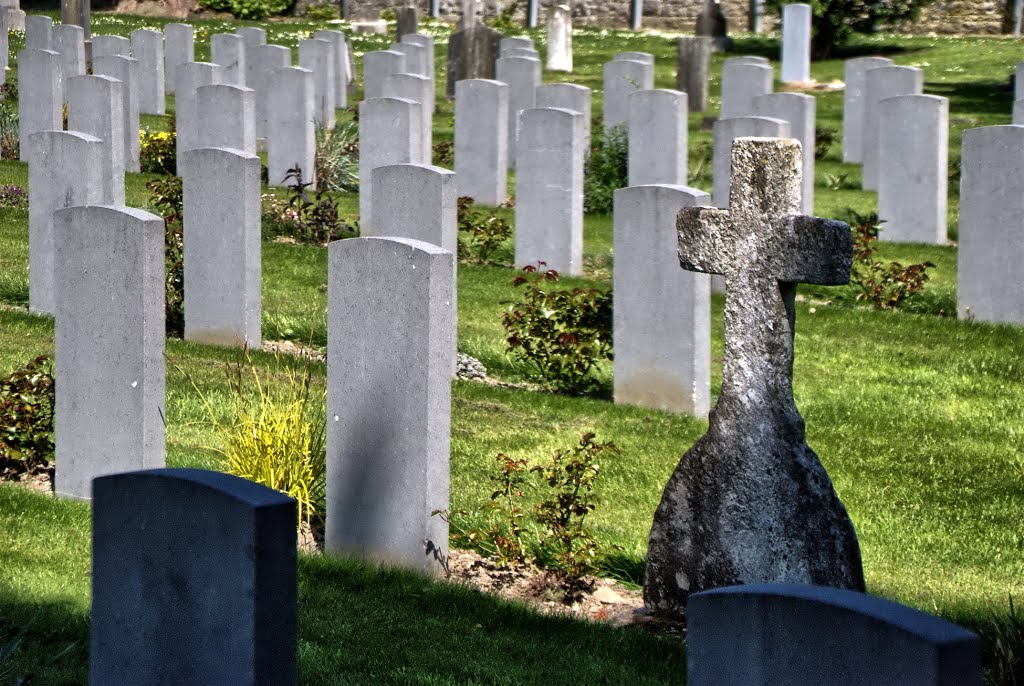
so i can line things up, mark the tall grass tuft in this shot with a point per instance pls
(337, 158)
(275, 435)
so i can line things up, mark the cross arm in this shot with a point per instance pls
(814, 250)
(701, 232)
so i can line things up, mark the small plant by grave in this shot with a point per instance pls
(885, 285)
(443, 153)
(10, 143)
(166, 199)
(158, 152)
(337, 158)
(561, 334)
(1005, 647)
(823, 139)
(14, 197)
(306, 217)
(606, 170)
(481, 233)
(567, 546)
(700, 164)
(26, 418)
(275, 434)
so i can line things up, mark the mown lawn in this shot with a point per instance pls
(918, 418)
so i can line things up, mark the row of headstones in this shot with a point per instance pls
(12, 18)
(156, 562)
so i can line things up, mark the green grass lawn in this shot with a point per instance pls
(917, 417)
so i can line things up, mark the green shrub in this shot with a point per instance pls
(26, 418)
(322, 11)
(158, 152)
(885, 285)
(560, 334)
(606, 169)
(248, 9)
(480, 232)
(1004, 645)
(10, 143)
(166, 200)
(337, 158)
(275, 435)
(306, 217)
(823, 140)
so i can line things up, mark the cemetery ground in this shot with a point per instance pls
(917, 417)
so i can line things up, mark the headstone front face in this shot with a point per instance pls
(741, 83)
(427, 43)
(750, 501)
(481, 140)
(110, 45)
(472, 53)
(1018, 112)
(913, 168)
(506, 44)
(291, 140)
(845, 638)
(800, 110)
(549, 190)
(65, 169)
(191, 76)
(176, 600)
(38, 28)
(724, 134)
(228, 50)
(622, 78)
(882, 83)
(340, 59)
(109, 352)
(523, 75)
(693, 69)
(5, 46)
(252, 38)
(179, 48)
(990, 284)
(662, 321)
(389, 133)
(1018, 81)
(657, 137)
(418, 89)
(267, 58)
(568, 96)
(390, 323)
(559, 32)
(855, 76)
(415, 58)
(377, 66)
(221, 223)
(416, 201)
(125, 70)
(796, 43)
(96, 107)
(69, 41)
(40, 108)
(148, 49)
(315, 55)
(226, 117)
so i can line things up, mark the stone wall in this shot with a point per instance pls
(942, 16)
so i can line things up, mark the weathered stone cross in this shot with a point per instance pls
(750, 501)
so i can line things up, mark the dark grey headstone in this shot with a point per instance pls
(406, 23)
(194, 580)
(472, 53)
(711, 22)
(750, 502)
(801, 634)
(693, 69)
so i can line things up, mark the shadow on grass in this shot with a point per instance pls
(976, 97)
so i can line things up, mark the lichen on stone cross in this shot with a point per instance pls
(750, 501)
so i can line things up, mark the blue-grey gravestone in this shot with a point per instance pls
(179, 49)
(125, 70)
(252, 38)
(38, 32)
(69, 41)
(662, 318)
(190, 76)
(40, 107)
(854, 75)
(523, 75)
(291, 138)
(622, 78)
(103, 46)
(228, 50)
(481, 140)
(221, 192)
(750, 502)
(415, 58)
(389, 351)
(65, 169)
(990, 284)
(742, 81)
(418, 89)
(800, 110)
(226, 116)
(108, 344)
(913, 158)
(377, 66)
(194, 581)
(767, 634)
(148, 49)
(1018, 112)
(796, 43)
(339, 56)
(568, 96)
(389, 133)
(96, 107)
(316, 55)
(549, 190)
(267, 58)
(657, 137)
